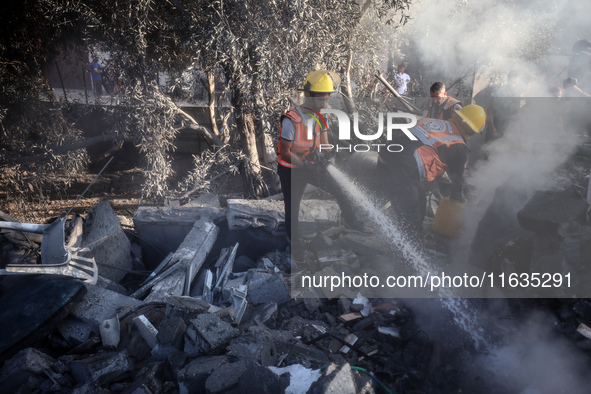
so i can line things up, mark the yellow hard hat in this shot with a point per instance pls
(474, 116)
(321, 81)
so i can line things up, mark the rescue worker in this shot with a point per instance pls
(441, 106)
(440, 147)
(300, 160)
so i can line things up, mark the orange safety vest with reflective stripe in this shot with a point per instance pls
(448, 109)
(434, 133)
(301, 145)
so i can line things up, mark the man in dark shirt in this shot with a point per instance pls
(440, 147)
(441, 106)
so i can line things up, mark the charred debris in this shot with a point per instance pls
(197, 298)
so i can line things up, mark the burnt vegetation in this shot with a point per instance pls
(258, 52)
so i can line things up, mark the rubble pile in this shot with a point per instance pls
(199, 298)
(210, 316)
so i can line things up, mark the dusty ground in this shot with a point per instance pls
(120, 188)
(120, 184)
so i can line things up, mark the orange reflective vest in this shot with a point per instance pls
(301, 145)
(448, 109)
(434, 133)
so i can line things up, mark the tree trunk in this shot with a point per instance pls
(211, 102)
(249, 144)
(267, 148)
(347, 91)
(254, 184)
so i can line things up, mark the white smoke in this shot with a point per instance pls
(533, 359)
(455, 38)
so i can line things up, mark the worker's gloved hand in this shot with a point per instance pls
(321, 159)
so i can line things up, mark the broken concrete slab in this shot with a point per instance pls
(100, 304)
(76, 233)
(205, 200)
(146, 329)
(225, 377)
(186, 262)
(74, 330)
(265, 288)
(319, 210)
(266, 214)
(172, 331)
(243, 263)
(110, 332)
(212, 332)
(257, 345)
(102, 368)
(232, 283)
(191, 379)
(163, 229)
(185, 307)
(107, 243)
(146, 380)
(260, 377)
(547, 210)
(270, 214)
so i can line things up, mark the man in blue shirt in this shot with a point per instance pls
(96, 75)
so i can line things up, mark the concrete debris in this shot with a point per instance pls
(362, 305)
(77, 230)
(106, 242)
(185, 263)
(264, 288)
(212, 332)
(172, 331)
(74, 330)
(239, 301)
(110, 332)
(147, 330)
(232, 283)
(100, 304)
(102, 368)
(224, 265)
(217, 314)
(225, 377)
(165, 228)
(257, 345)
(191, 379)
(265, 214)
(350, 339)
(584, 330)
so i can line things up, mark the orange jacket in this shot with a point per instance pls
(448, 109)
(301, 145)
(434, 133)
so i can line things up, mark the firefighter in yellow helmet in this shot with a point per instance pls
(301, 162)
(440, 147)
